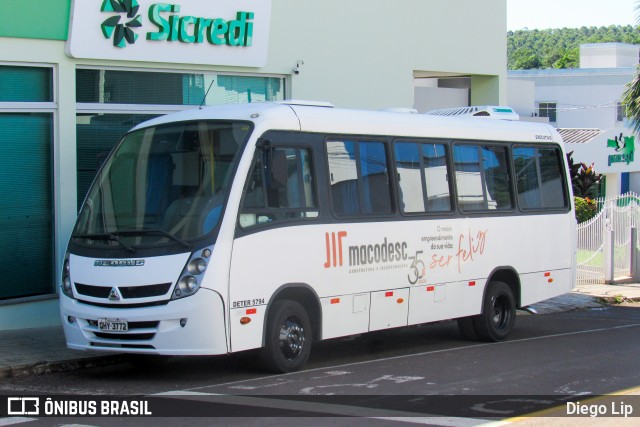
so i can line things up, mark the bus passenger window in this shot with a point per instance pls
(482, 177)
(273, 195)
(359, 178)
(539, 178)
(422, 177)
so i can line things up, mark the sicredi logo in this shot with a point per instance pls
(210, 32)
(122, 33)
(173, 27)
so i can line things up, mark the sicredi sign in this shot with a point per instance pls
(209, 32)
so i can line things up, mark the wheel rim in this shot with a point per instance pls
(291, 338)
(501, 312)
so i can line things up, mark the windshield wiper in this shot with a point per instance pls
(146, 232)
(105, 236)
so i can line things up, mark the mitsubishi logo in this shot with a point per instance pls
(114, 295)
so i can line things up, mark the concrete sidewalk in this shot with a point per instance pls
(43, 350)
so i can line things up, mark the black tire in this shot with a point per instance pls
(498, 315)
(466, 328)
(288, 337)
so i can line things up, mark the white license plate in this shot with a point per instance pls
(113, 325)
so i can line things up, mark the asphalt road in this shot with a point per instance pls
(424, 375)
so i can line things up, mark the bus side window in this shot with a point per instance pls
(422, 170)
(482, 177)
(539, 178)
(281, 187)
(359, 178)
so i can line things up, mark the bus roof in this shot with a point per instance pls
(324, 119)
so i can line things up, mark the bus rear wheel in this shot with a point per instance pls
(288, 337)
(498, 315)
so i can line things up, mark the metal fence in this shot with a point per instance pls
(607, 243)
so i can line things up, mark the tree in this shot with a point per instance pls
(631, 95)
(559, 48)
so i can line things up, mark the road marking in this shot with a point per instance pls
(369, 384)
(370, 413)
(407, 356)
(15, 420)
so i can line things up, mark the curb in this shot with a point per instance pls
(616, 299)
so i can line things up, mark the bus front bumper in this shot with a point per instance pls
(189, 326)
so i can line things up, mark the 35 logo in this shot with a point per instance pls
(121, 32)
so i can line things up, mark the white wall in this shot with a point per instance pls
(521, 96)
(434, 98)
(584, 98)
(608, 55)
(363, 53)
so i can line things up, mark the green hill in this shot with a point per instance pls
(560, 48)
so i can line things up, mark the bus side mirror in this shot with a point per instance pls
(278, 173)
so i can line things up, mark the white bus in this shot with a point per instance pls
(271, 226)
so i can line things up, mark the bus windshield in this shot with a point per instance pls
(163, 185)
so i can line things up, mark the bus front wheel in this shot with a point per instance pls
(498, 313)
(288, 337)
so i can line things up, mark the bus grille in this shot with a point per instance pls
(127, 292)
(111, 305)
(124, 337)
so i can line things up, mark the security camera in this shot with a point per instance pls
(297, 67)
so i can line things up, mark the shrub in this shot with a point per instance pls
(585, 209)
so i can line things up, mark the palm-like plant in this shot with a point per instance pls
(631, 95)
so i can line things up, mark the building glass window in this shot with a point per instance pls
(619, 112)
(105, 98)
(26, 84)
(548, 109)
(26, 205)
(136, 87)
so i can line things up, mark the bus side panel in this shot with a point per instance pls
(543, 285)
(389, 309)
(433, 302)
(245, 336)
(345, 315)
(373, 258)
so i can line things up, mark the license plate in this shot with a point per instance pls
(113, 325)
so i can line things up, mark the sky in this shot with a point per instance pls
(544, 14)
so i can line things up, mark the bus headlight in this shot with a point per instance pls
(66, 278)
(192, 274)
(188, 284)
(197, 266)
